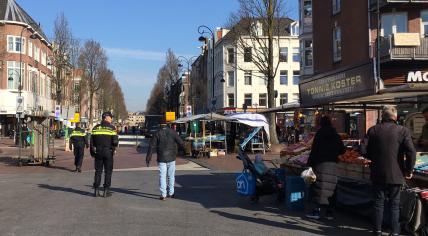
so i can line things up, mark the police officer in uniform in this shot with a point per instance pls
(104, 141)
(79, 141)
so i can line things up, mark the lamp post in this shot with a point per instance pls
(203, 30)
(256, 105)
(20, 100)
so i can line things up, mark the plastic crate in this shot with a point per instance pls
(295, 193)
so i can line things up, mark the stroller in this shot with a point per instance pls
(266, 184)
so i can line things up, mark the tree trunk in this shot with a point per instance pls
(91, 96)
(271, 76)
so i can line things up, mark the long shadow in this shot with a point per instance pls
(216, 191)
(133, 192)
(65, 189)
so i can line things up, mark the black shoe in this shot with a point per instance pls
(162, 198)
(79, 170)
(97, 192)
(170, 196)
(107, 192)
(75, 170)
(377, 233)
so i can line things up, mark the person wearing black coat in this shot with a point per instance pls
(326, 148)
(387, 145)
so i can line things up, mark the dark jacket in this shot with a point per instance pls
(165, 142)
(387, 145)
(327, 147)
(78, 138)
(103, 136)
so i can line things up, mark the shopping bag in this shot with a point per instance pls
(309, 176)
(245, 183)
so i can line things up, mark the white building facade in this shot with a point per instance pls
(243, 82)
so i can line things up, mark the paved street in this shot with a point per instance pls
(60, 203)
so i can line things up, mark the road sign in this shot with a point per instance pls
(57, 111)
(170, 116)
(19, 104)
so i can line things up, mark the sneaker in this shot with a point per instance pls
(315, 214)
(162, 198)
(170, 196)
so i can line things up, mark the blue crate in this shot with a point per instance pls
(295, 193)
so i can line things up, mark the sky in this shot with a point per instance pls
(137, 33)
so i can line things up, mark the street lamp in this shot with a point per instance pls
(256, 105)
(204, 30)
(20, 99)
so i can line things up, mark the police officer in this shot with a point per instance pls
(79, 141)
(104, 141)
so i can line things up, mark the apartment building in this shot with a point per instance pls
(306, 39)
(24, 67)
(238, 83)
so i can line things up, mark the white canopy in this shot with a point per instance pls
(208, 117)
(253, 120)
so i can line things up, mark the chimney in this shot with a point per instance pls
(219, 32)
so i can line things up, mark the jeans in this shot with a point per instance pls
(392, 193)
(166, 172)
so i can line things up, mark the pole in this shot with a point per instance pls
(21, 102)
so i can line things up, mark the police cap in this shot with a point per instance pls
(107, 113)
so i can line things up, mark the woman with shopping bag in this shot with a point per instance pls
(326, 149)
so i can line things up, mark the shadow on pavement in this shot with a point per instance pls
(65, 189)
(8, 161)
(216, 192)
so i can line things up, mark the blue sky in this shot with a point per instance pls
(137, 33)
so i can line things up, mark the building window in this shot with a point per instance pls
(424, 19)
(30, 49)
(13, 74)
(296, 55)
(283, 98)
(296, 77)
(262, 99)
(263, 80)
(230, 79)
(230, 55)
(392, 23)
(231, 100)
(295, 97)
(337, 44)
(283, 54)
(248, 78)
(43, 59)
(49, 89)
(283, 77)
(16, 44)
(336, 6)
(248, 57)
(248, 99)
(307, 50)
(36, 53)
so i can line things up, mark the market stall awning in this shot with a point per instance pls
(397, 94)
(251, 119)
(284, 107)
(206, 117)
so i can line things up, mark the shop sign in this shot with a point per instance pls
(417, 77)
(57, 112)
(170, 116)
(339, 86)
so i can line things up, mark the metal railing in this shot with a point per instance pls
(389, 51)
(383, 3)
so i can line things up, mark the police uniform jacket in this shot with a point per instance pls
(78, 138)
(104, 136)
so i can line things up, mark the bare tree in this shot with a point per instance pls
(62, 50)
(257, 28)
(93, 61)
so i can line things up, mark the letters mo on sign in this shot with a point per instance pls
(417, 77)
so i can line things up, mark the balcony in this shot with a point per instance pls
(385, 3)
(403, 46)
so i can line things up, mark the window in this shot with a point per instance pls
(248, 57)
(296, 77)
(336, 6)
(16, 44)
(231, 100)
(263, 80)
(283, 54)
(262, 99)
(296, 55)
(36, 53)
(13, 74)
(42, 84)
(337, 44)
(43, 59)
(248, 99)
(392, 23)
(283, 98)
(248, 78)
(230, 55)
(230, 79)
(295, 97)
(30, 49)
(283, 77)
(49, 89)
(424, 19)
(307, 50)
(307, 8)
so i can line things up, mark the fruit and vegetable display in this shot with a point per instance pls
(353, 157)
